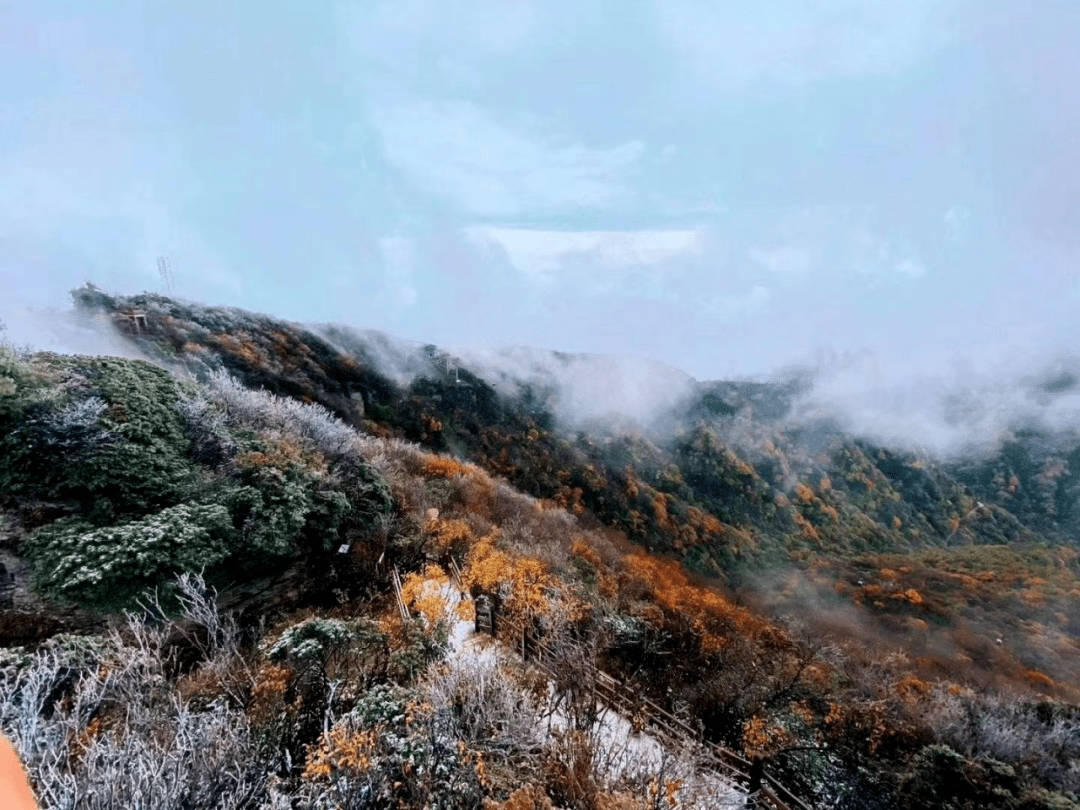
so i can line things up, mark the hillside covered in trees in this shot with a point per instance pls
(880, 627)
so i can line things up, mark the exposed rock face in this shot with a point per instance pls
(26, 618)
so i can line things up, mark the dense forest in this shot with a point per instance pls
(200, 551)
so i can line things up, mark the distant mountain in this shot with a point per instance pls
(871, 624)
(617, 431)
(738, 479)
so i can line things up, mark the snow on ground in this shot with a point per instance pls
(620, 751)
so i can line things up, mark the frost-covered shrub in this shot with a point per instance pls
(414, 647)
(487, 707)
(74, 430)
(19, 386)
(1044, 735)
(98, 727)
(107, 567)
(276, 508)
(206, 428)
(384, 704)
(408, 758)
(272, 515)
(262, 409)
(290, 498)
(112, 445)
(627, 631)
(312, 640)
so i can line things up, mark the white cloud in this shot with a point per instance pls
(910, 268)
(956, 220)
(875, 257)
(733, 307)
(112, 217)
(489, 168)
(399, 257)
(401, 36)
(816, 244)
(732, 46)
(542, 256)
(783, 260)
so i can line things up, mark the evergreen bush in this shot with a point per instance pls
(314, 640)
(109, 441)
(107, 567)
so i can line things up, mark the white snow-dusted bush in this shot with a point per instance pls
(313, 639)
(1013, 729)
(205, 425)
(489, 709)
(99, 726)
(262, 409)
(74, 429)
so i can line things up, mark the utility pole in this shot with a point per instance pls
(164, 267)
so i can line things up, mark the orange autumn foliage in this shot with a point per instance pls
(606, 582)
(342, 749)
(761, 738)
(806, 526)
(448, 535)
(282, 454)
(709, 615)
(703, 521)
(424, 593)
(526, 586)
(443, 467)
(1037, 679)
(529, 797)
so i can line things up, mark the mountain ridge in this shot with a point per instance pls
(687, 544)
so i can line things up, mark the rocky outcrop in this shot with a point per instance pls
(26, 617)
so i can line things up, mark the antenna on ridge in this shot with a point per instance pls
(164, 267)
(451, 365)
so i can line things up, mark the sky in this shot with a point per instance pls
(729, 188)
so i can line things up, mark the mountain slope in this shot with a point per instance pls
(875, 548)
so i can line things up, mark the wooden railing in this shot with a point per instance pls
(620, 698)
(395, 578)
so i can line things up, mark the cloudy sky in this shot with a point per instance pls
(723, 186)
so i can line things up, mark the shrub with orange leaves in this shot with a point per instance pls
(709, 615)
(423, 592)
(525, 585)
(703, 521)
(659, 505)
(764, 738)
(447, 535)
(606, 581)
(912, 688)
(282, 453)
(1039, 679)
(444, 467)
(911, 596)
(569, 498)
(806, 526)
(529, 797)
(342, 749)
(861, 723)
(268, 693)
